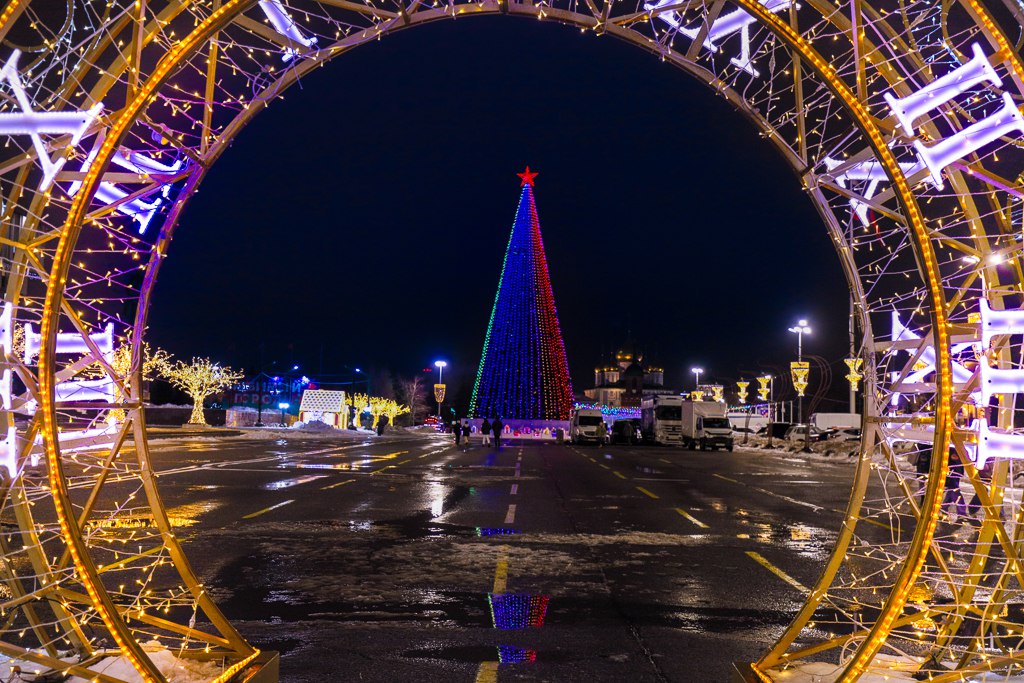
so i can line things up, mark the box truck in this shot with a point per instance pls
(827, 421)
(705, 425)
(660, 419)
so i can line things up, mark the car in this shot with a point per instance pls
(798, 432)
(848, 434)
(626, 431)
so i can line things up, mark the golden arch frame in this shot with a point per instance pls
(837, 59)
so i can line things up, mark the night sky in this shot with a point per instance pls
(363, 219)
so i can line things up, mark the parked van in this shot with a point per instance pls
(586, 426)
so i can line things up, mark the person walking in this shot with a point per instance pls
(456, 431)
(952, 485)
(496, 428)
(467, 429)
(602, 433)
(922, 464)
(382, 422)
(485, 429)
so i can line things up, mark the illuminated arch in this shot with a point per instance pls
(917, 176)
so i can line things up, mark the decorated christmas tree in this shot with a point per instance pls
(523, 371)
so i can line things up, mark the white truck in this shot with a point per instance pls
(753, 423)
(827, 421)
(660, 419)
(705, 425)
(586, 426)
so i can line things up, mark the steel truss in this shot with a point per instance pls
(112, 112)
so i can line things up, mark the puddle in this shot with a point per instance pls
(473, 654)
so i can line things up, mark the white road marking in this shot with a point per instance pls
(510, 517)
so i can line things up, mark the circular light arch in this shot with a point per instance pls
(912, 170)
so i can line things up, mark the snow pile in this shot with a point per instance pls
(313, 426)
(174, 669)
(826, 450)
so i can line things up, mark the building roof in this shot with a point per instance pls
(322, 401)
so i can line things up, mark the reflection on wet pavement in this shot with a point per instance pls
(512, 611)
(288, 483)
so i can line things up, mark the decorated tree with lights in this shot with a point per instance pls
(155, 361)
(200, 379)
(393, 409)
(523, 370)
(359, 402)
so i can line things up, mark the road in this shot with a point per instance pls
(407, 559)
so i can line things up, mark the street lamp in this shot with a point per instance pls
(283, 406)
(696, 372)
(800, 330)
(439, 387)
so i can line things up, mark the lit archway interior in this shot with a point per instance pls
(901, 118)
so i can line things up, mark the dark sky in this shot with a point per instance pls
(368, 213)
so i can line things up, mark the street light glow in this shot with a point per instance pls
(440, 364)
(696, 372)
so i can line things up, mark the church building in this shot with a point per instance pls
(625, 380)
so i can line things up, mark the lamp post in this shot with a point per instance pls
(439, 387)
(696, 373)
(283, 407)
(800, 330)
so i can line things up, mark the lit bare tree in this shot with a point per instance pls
(199, 379)
(414, 393)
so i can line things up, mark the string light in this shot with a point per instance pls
(523, 374)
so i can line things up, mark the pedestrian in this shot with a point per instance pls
(456, 431)
(382, 422)
(602, 433)
(496, 428)
(922, 462)
(984, 476)
(485, 429)
(952, 485)
(467, 429)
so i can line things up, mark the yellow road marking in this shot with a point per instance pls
(334, 486)
(620, 475)
(405, 461)
(501, 571)
(487, 673)
(266, 510)
(644, 491)
(778, 572)
(693, 519)
(603, 465)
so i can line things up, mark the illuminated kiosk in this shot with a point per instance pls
(523, 376)
(901, 120)
(323, 405)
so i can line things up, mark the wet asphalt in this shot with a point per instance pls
(408, 559)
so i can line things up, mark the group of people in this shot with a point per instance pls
(461, 431)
